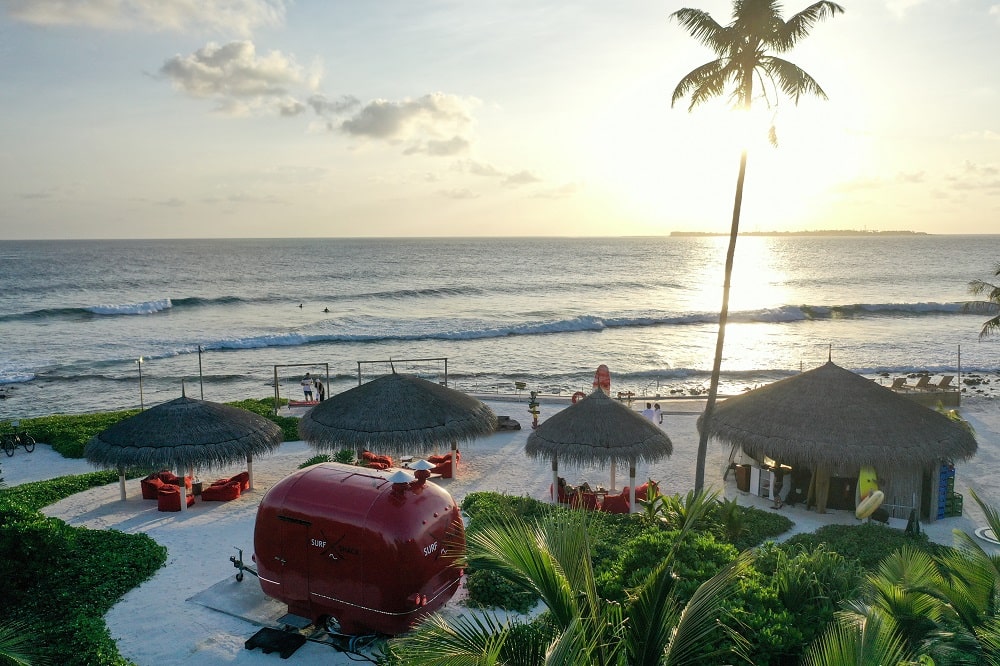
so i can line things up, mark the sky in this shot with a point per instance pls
(391, 118)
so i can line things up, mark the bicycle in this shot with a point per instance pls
(11, 440)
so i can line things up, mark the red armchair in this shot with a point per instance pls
(615, 504)
(168, 498)
(583, 500)
(221, 491)
(151, 486)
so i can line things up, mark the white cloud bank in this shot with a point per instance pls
(238, 17)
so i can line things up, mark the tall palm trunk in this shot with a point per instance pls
(713, 387)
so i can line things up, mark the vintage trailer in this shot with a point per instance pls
(349, 550)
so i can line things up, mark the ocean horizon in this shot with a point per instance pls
(219, 315)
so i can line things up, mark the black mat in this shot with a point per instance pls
(275, 640)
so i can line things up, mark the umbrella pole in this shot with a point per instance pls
(183, 485)
(250, 470)
(631, 488)
(612, 486)
(555, 479)
(121, 482)
(454, 458)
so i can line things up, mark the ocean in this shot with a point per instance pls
(226, 317)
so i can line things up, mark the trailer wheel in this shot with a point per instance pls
(332, 625)
(239, 577)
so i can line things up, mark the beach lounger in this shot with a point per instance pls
(945, 383)
(899, 383)
(923, 383)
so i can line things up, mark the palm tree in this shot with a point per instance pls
(743, 49)
(990, 305)
(552, 559)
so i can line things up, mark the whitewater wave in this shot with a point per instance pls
(148, 307)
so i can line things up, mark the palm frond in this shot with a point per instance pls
(791, 79)
(519, 552)
(700, 621)
(799, 25)
(469, 640)
(858, 640)
(702, 83)
(704, 28)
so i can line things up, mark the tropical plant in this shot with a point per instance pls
(942, 609)
(15, 644)
(989, 306)
(743, 49)
(551, 557)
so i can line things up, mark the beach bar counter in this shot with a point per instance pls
(356, 550)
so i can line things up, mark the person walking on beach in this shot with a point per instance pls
(649, 413)
(657, 414)
(320, 389)
(307, 387)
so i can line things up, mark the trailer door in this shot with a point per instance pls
(293, 549)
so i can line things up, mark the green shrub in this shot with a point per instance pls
(490, 589)
(69, 433)
(485, 506)
(345, 457)
(58, 580)
(760, 525)
(265, 407)
(866, 544)
(698, 557)
(315, 460)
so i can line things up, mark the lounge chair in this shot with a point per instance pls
(899, 383)
(923, 383)
(945, 383)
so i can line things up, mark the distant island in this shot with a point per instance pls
(821, 232)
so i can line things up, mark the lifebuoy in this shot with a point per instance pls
(578, 396)
(869, 504)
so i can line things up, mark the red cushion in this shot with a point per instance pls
(221, 492)
(150, 485)
(168, 498)
(368, 455)
(375, 464)
(583, 500)
(444, 469)
(615, 504)
(243, 478)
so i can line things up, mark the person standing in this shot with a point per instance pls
(307, 387)
(320, 389)
(649, 413)
(657, 414)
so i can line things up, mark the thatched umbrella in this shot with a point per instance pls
(396, 413)
(599, 429)
(828, 415)
(180, 434)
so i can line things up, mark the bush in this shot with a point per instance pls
(866, 544)
(265, 407)
(60, 580)
(489, 589)
(69, 433)
(315, 460)
(698, 557)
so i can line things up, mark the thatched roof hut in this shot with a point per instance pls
(181, 434)
(829, 414)
(599, 429)
(396, 413)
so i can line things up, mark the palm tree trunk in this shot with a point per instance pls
(713, 387)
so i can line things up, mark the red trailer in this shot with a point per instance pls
(351, 551)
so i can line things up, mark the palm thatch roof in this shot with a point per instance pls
(598, 429)
(829, 415)
(181, 433)
(393, 413)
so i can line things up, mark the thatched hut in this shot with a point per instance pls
(396, 413)
(833, 421)
(598, 429)
(182, 434)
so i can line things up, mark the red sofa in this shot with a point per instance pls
(375, 461)
(615, 504)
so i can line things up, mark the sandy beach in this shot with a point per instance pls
(194, 612)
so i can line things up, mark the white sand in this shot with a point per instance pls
(159, 624)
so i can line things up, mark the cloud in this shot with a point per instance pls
(238, 78)
(521, 178)
(901, 7)
(239, 17)
(327, 108)
(434, 124)
(479, 169)
(463, 193)
(976, 177)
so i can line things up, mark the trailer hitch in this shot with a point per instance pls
(237, 561)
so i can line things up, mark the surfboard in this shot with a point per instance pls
(602, 379)
(302, 403)
(867, 481)
(869, 504)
